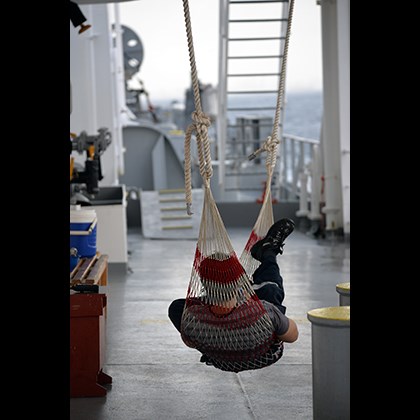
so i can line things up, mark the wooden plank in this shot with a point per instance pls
(97, 270)
(103, 281)
(75, 269)
(83, 270)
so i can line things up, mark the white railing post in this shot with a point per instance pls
(316, 174)
(303, 196)
(222, 92)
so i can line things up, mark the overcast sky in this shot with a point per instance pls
(165, 70)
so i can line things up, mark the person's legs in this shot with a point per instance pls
(268, 283)
(175, 312)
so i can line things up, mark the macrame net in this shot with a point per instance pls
(223, 317)
(265, 217)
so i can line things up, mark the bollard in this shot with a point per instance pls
(343, 290)
(330, 362)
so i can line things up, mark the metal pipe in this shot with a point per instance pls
(120, 87)
(331, 119)
(222, 95)
(258, 1)
(252, 74)
(315, 185)
(285, 166)
(256, 20)
(265, 38)
(253, 56)
(294, 169)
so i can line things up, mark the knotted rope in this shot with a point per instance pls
(272, 142)
(200, 124)
(265, 217)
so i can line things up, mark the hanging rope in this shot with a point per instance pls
(265, 217)
(273, 141)
(200, 124)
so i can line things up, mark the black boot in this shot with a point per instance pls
(274, 240)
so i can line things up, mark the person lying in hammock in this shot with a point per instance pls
(267, 285)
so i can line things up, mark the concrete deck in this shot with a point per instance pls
(156, 377)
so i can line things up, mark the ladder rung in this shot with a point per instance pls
(244, 189)
(256, 1)
(254, 56)
(250, 124)
(239, 142)
(251, 91)
(263, 108)
(257, 20)
(244, 173)
(252, 74)
(268, 38)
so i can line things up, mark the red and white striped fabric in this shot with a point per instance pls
(264, 221)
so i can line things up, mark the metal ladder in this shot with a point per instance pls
(248, 29)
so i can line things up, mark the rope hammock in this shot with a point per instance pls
(223, 318)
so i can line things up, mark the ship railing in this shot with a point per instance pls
(298, 164)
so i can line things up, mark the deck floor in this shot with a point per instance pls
(156, 377)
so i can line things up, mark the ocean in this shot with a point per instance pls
(303, 114)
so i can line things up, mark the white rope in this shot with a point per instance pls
(200, 124)
(272, 142)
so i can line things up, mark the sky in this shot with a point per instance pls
(165, 70)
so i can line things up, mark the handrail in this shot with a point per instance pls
(302, 139)
(296, 155)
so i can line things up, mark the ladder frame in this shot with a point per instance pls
(222, 120)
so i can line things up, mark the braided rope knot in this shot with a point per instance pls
(200, 124)
(200, 119)
(270, 146)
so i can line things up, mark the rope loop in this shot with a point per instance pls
(200, 124)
